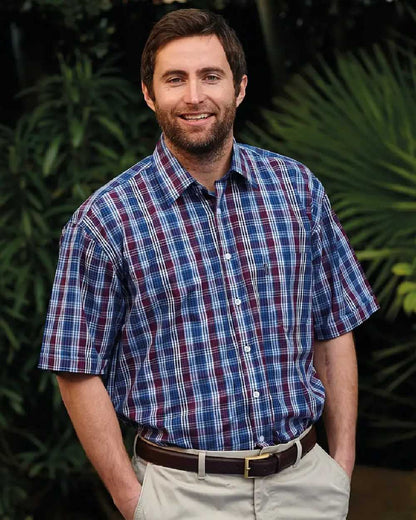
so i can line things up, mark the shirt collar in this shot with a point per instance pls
(240, 163)
(174, 179)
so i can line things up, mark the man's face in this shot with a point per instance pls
(194, 94)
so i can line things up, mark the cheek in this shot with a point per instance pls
(226, 98)
(166, 103)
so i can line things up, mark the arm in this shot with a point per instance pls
(95, 421)
(336, 364)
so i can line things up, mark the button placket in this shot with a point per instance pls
(239, 307)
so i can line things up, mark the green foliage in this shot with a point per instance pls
(355, 126)
(87, 127)
(73, 10)
(89, 20)
(387, 403)
(407, 288)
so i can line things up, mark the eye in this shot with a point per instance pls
(175, 80)
(212, 78)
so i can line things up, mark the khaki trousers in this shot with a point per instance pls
(314, 488)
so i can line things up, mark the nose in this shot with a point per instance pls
(194, 92)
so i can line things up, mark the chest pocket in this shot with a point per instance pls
(278, 272)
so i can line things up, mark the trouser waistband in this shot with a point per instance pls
(264, 462)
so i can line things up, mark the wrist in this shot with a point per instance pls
(346, 462)
(122, 495)
(126, 503)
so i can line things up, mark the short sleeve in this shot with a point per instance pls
(342, 297)
(86, 307)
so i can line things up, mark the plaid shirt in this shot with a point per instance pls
(199, 310)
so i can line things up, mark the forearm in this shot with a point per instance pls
(336, 364)
(95, 421)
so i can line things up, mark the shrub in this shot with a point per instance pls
(355, 126)
(87, 127)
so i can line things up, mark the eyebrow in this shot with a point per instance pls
(212, 69)
(204, 70)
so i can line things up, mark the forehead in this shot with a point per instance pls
(193, 52)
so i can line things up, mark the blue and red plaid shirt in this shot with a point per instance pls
(199, 309)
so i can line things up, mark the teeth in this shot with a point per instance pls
(195, 117)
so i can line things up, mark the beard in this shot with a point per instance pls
(206, 143)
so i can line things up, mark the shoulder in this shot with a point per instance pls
(110, 200)
(280, 174)
(101, 217)
(274, 161)
(272, 165)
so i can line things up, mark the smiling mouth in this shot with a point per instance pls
(195, 117)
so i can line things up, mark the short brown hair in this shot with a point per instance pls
(192, 22)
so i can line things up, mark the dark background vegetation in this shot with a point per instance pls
(79, 120)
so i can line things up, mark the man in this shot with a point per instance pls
(207, 296)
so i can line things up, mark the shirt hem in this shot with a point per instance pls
(349, 322)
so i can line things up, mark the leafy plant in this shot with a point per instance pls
(406, 291)
(354, 125)
(356, 128)
(88, 126)
(89, 22)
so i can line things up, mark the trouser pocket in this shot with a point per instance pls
(171, 494)
(142, 469)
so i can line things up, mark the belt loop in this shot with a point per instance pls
(201, 465)
(134, 445)
(298, 445)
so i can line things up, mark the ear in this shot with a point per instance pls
(147, 97)
(242, 92)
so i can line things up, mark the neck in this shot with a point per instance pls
(206, 168)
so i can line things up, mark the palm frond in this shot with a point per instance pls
(354, 125)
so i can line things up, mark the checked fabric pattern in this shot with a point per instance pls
(200, 309)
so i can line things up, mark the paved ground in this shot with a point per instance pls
(383, 494)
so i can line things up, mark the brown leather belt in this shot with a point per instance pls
(256, 466)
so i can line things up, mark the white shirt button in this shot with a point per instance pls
(261, 438)
(237, 301)
(256, 394)
(219, 211)
(247, 348)
(227, 256)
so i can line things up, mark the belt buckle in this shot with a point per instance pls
(247, 463)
